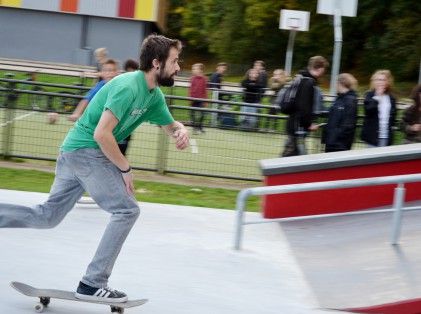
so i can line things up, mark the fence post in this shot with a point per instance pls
(162, 156)
(214, 115)
(11, 99)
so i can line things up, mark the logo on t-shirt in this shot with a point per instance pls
(138, 112)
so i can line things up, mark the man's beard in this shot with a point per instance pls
(164, 80)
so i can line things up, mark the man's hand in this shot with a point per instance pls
(181, 136)
(128, 181)
(178, 132)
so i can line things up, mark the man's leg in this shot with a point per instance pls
(106, 186)
(64, 193)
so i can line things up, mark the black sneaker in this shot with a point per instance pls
(88, 293)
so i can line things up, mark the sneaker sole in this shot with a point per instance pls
(85, 297)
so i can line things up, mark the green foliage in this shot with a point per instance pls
(385, 34)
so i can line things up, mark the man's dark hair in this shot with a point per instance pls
(131, 64)
(156, 47)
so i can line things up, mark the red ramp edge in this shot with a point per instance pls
(412, 306)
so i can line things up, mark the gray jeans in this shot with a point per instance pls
(77, 171)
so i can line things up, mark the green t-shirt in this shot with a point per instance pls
(127, 96)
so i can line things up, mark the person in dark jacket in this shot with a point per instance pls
(215, 79)
(338, 134)
(411, 120)
(301, 121)
(379, 111)
(252, 88)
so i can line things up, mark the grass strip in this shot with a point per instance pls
(152, 192)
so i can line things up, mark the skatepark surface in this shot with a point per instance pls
(181, 259)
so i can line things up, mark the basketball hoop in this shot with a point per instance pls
(294, 23)
(294, 20)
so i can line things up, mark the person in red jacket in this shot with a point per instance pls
(198, 84)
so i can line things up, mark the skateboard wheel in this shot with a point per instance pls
(116, 309)
(39, 307)
(44, 300)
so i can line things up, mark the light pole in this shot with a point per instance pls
(337, 8)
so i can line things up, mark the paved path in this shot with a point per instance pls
(179, 257)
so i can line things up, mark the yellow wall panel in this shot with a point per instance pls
(11, 3)
(145, 10)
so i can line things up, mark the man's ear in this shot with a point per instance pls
(155, 64)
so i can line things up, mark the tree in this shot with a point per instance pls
(385, 34)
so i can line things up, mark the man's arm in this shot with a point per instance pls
(103, 135)
(179, 132)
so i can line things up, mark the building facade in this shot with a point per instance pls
(68, 31)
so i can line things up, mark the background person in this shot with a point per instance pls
(216, 77)
(276, 82)
(379, 111)
(338, 133)
(301, 121)
(101, 55)
(130, 65)
(215, 83)
(411, 120)
(197, 89)
(259, 65)
(252, 90)
(108, 72)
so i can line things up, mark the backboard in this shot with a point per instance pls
(294, 20)
(346, 8)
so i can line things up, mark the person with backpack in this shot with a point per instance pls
(300, 119)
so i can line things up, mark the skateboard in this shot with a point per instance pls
(45, 295)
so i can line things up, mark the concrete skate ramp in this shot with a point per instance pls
(349, 263)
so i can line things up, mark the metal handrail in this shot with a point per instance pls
(398, 200)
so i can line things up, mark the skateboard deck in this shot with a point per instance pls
(45, 295)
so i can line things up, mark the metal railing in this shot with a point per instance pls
(398, 201)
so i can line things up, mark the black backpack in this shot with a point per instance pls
(285, 99)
